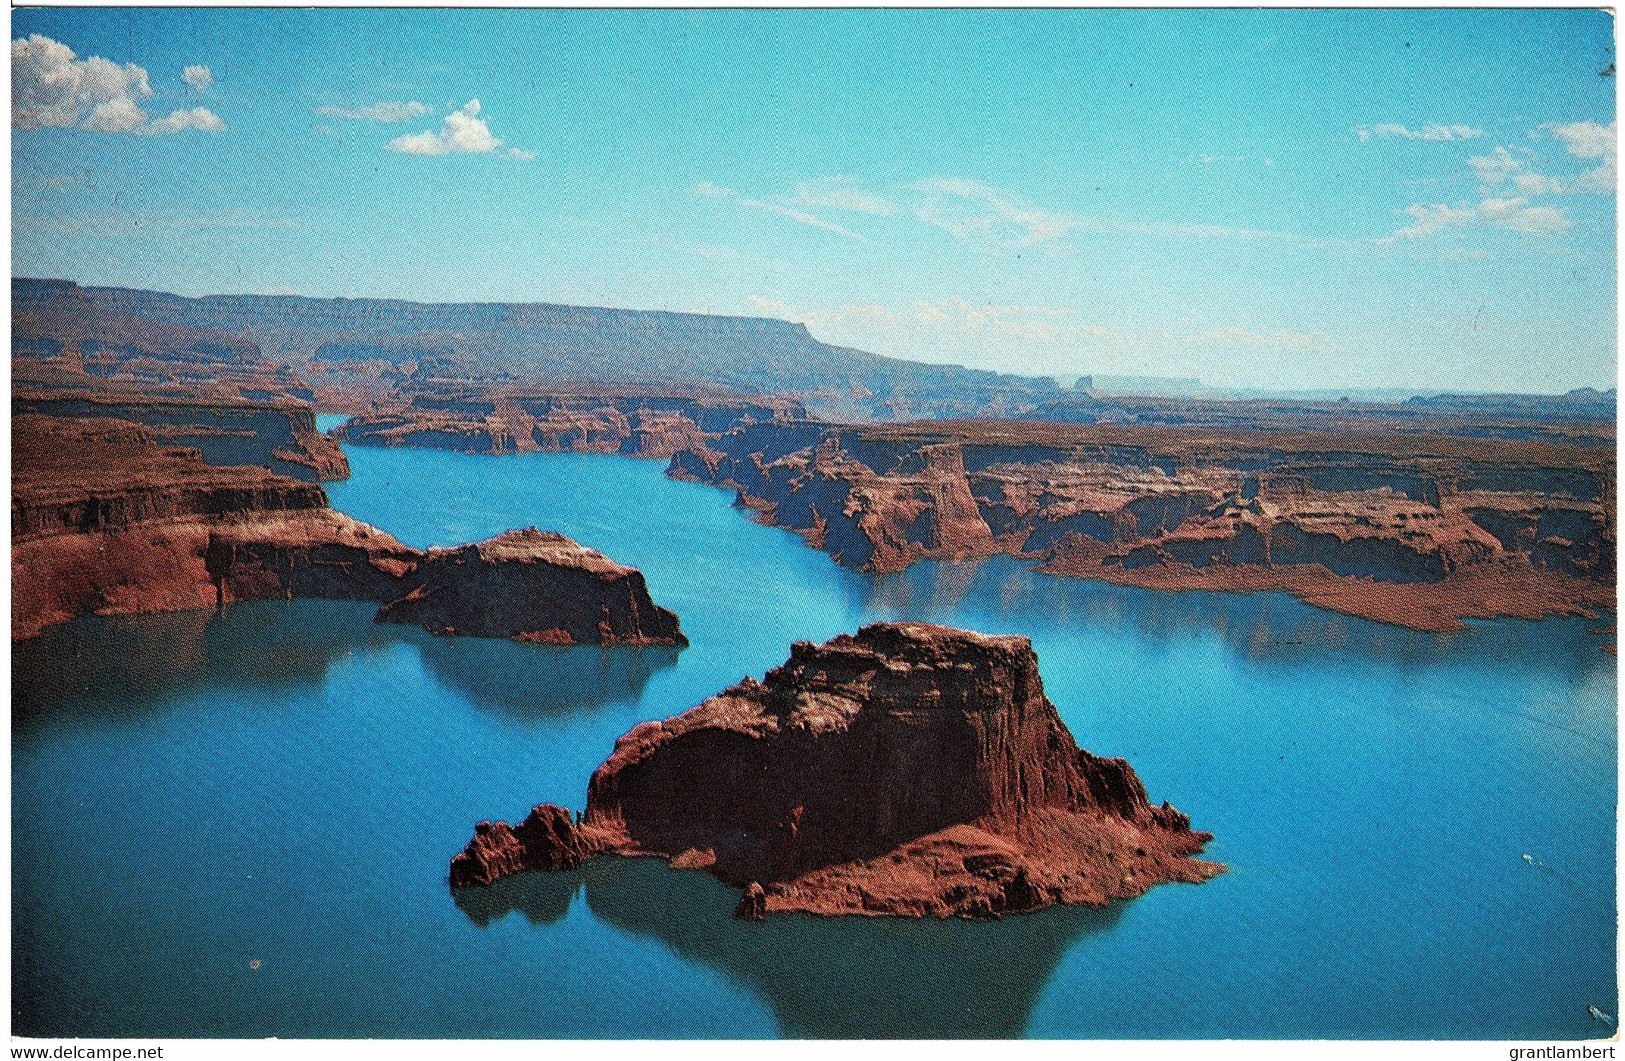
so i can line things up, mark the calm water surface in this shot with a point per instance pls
(285, 784)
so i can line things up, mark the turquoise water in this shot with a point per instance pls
(286, 782)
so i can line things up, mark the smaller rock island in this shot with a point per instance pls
(910, 770)
(533, 585)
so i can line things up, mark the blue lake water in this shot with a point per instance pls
(285, 783)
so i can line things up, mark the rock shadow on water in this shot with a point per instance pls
(109, 667)
(824, 977)
(96, 667)
(540, 898)
(535, 682)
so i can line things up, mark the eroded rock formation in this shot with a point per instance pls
(495, 420)
(533, 585)
(278, 435)
(1408, 529)
(107, 520)
(911, 769)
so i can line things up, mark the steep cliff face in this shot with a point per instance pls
(1357, 523)
(278, 435)
(910, 769)
(105, 520)
(498, 420)
(532, 585)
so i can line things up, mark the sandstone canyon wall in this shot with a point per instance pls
(107, 519)
(1409, 529)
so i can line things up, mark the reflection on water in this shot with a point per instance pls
(824, 977)
(97, 666)
(288, 781)
(130, 662)
(527, 682)
(1254, 626)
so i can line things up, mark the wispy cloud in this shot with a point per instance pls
(462, 132)
(841, 193)
(789, 213)
(970, 209)
(146, 224)
(994, 325)
(1431, 131)
(982, 216)
(51, 88)
(800, 217)
(379, 112)
(199, 78)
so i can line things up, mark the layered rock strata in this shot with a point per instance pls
(278, 434)
(106, 520)
(492, 420)
(533, 585)
(912, 770)
(1404, 529)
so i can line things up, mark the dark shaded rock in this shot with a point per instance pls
(537, 586)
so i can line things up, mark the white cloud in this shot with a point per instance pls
(461, 132)
(1427, 220)
(970, 209)
(378, 112)
(1589, 140)
(841, 193)
(1432, 131)
(51, 88)
(1496, 166)
(198, 119)
(198, 77)
(521, 154)
(1586, 139)
(713, 191)
(1514, 214)
(1517, 215)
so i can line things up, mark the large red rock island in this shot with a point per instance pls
(912, 770)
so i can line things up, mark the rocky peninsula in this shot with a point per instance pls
(503, 420)
(1403, 528)
(908, 770)
(106, 519)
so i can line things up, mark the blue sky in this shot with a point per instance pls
(1259, 198)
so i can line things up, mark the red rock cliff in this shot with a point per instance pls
(1414, 530)
(107, 521)
(911, 769)
(533, 585)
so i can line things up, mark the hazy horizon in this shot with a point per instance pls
(1271, 200)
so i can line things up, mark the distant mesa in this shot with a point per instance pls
(909, 770)
(367, 355)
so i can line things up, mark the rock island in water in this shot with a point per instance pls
(912, 770)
